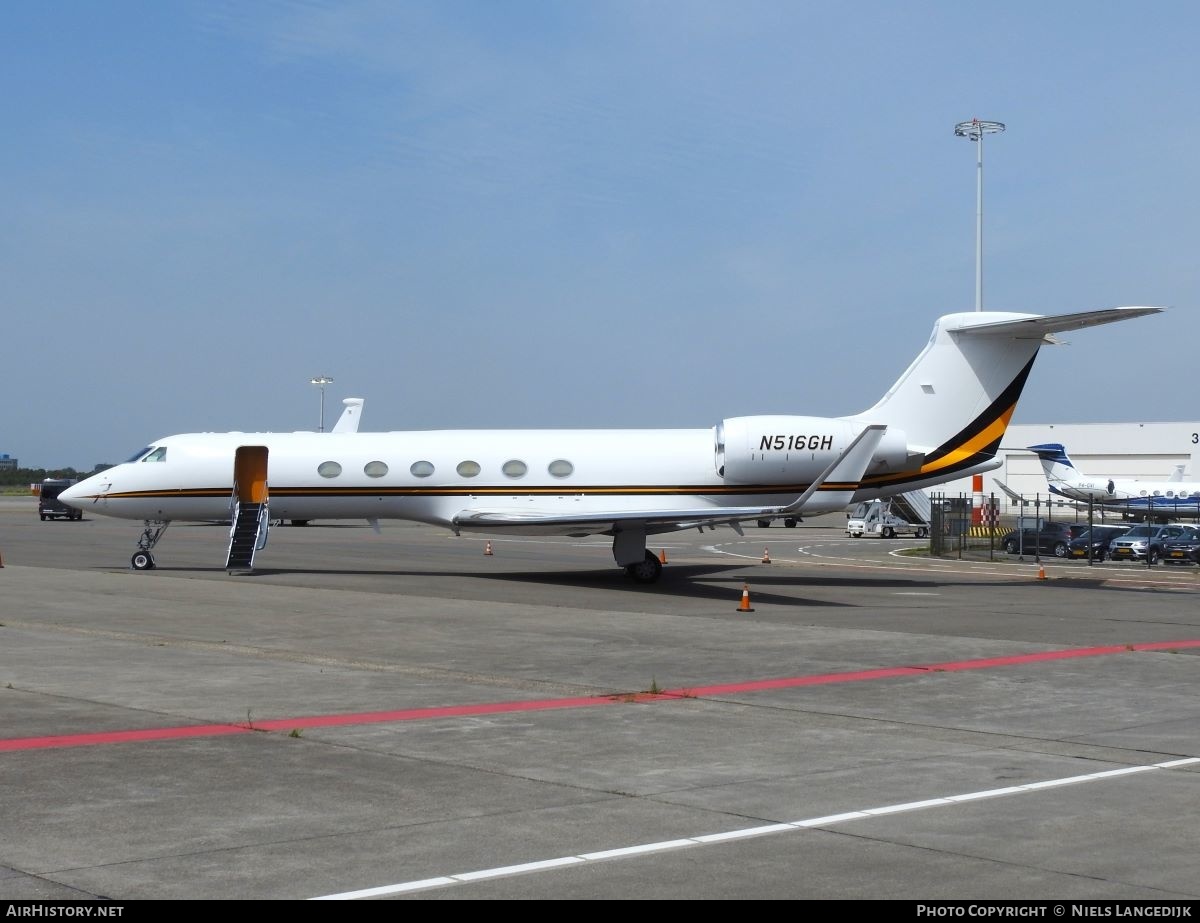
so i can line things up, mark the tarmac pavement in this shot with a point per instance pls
(401, 716)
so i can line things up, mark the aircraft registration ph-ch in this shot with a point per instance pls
(942, 420)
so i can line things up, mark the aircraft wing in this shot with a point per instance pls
(1074, 503)
(604, 522)
(848, 467)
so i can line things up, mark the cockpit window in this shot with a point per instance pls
(139, 453)
(159, 454)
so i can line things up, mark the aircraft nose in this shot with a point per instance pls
(72, 496)
(82, 495)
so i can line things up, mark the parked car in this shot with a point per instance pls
(1183, 550)
(1053, 538)
(1094, 542)
(1145, 542)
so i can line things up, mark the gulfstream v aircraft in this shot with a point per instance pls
(942, 420)
(1173, 498)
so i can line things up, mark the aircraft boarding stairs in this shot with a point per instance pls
(914, 506)
(247, 534)
(250, 519)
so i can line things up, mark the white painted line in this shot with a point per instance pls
(625, 852)
(743, 834)
(829, 819)
(638, 850)
(990, 793)
(506, 870)
(387, 889)
(911, 806)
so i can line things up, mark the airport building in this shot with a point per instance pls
(1142, 451)
(8, 463)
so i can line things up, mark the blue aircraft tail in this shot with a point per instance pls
(1052, 452)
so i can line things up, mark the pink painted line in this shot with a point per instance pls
(426, 714)
(120, 737)
(466, 711)
(289, 724)
(952, 667)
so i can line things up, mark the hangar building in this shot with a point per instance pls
(1145, 451)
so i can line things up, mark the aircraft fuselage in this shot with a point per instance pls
(432, 476)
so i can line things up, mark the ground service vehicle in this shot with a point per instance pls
(875, 517)
(49, 506)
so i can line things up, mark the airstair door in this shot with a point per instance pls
(250, 521)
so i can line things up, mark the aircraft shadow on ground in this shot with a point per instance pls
(712, 582)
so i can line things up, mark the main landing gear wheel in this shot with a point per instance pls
(647, 571)
(141, 560)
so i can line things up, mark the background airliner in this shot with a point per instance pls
(1169, 499)
(941, 420)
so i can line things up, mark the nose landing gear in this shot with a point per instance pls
(152, 531)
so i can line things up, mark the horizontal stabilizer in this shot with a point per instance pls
(1037, 328)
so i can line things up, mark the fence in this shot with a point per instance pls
(976, 524)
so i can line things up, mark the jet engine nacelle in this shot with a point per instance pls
(794, 450)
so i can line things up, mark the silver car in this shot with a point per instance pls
(1144, 543)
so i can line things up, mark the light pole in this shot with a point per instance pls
(321, 381)
(975, 130)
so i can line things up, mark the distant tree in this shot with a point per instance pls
(26, 476)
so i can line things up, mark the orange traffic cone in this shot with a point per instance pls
(766, 556)
(487, 549)
(1041, 572)
(745, 606)
(662, 555)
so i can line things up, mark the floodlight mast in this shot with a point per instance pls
(321, 381)
(974, 130)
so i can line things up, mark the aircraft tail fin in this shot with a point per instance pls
(1060, 471)
(954, 402)
(348, 421)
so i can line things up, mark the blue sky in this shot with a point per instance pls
(516, 213)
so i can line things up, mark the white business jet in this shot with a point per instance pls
(942, 420)
(1172, 498)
